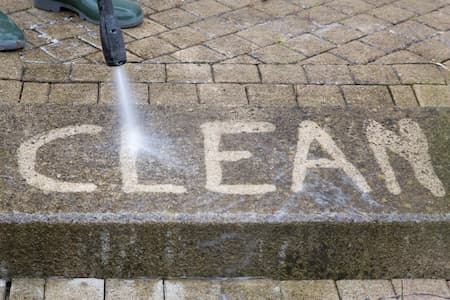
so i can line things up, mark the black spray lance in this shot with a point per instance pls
(111, 35)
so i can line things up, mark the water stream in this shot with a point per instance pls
(127, 109)
(136, 137)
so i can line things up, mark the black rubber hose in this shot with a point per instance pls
(111, 35)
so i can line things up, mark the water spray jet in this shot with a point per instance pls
(115, 56)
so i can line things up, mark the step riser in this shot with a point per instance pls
(284, 251)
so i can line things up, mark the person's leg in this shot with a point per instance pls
(11, 37)
(127, 12)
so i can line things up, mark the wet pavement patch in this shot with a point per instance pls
(275, 191)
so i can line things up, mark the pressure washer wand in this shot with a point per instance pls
(111, 35)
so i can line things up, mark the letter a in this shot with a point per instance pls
(309, 131)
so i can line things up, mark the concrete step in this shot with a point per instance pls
(222, 288)
(286, 193)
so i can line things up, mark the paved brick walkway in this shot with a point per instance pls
(361, 53)
(228, 52)
(224, 289)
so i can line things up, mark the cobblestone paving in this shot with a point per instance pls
(205, 289)
(228, 52)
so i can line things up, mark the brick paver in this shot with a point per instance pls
(309, 289)
(319, 95)
(364, 289)
(367, 95)
(276, 94)
(274, 44)
(108, 96)
(222, 94)
(432, 95)
(403, 96)
(79, 288)
(123, 289)
(251, 289)
(27, 289)
(415, 289)
(74, 93)
(189, 73)
(192, 289)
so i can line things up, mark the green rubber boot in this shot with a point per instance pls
(11, 37)
(128, 12)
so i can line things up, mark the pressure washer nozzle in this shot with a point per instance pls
(111, 35)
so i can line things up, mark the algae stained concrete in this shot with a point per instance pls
(313, 194)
